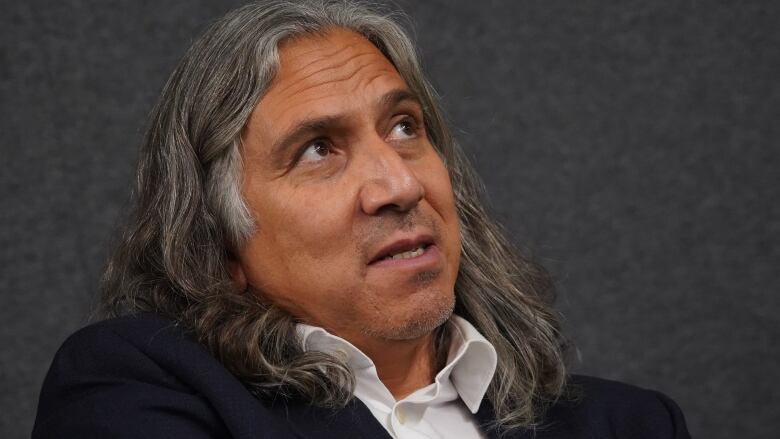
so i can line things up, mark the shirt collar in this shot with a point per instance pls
(471, 361)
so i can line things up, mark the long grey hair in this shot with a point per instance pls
(189, 219)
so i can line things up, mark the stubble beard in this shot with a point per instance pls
(433, 311)
(423, 320)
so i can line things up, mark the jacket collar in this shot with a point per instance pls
(356, 420)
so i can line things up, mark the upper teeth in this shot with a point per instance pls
(408, 254)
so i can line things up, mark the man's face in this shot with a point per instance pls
(356, 225)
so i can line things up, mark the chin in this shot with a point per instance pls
(415, 320)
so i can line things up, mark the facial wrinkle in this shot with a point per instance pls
(331, 64)
(326, 58)
(337, 80)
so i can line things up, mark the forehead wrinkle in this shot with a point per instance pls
(337, 94)
(332, 82)
(319, 59)
(330, 66)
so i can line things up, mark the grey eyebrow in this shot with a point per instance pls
(395, 97)
(301, 132)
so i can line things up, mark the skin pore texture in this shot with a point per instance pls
(339, 173)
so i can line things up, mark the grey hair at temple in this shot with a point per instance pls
(189, 218)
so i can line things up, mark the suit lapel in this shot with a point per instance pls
(486, 416)
(354, 420)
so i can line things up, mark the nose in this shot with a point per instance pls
(390, 183)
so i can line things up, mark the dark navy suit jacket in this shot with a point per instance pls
(143, 377)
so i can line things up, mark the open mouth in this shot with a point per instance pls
(417, 251)
(403, 249)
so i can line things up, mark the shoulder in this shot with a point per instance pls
(604, 393)
(143, 337)
(141, 376)
(143, 346)
(136, 333)
(618, 410)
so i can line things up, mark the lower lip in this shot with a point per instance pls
(428, 259)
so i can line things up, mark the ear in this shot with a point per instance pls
(236, 271)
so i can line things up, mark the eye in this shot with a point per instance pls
(315, 151)
(403, 130)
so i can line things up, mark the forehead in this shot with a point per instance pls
(325, 51)
(324, 73)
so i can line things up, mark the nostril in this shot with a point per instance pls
(380, 195)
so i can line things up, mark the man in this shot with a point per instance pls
(305, 228)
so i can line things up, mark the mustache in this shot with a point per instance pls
(382, 226)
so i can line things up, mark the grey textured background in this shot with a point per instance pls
(632, 147)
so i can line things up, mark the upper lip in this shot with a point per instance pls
(401, 245)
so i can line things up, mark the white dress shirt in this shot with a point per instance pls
(442, 409)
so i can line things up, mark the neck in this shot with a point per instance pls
(403, 366)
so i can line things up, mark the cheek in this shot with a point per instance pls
(439, 194)
(301, 248)
(309, 232)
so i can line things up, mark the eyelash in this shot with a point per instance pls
(409, 121)
(302, 149)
